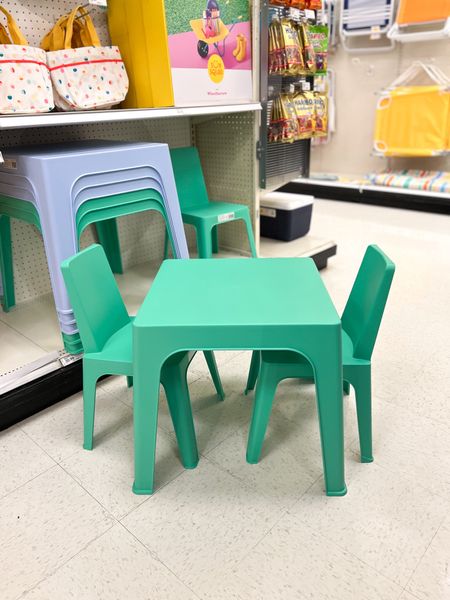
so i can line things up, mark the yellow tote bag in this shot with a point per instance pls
(413, 121)
(138, 28)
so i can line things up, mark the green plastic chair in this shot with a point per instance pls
(106, 333)
(197, 210)
(360, 323)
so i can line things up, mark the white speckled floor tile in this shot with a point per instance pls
(201, 524)
(113, 567)
(291, 461)
(294, 562)
(407, 596)
(42, 525)
(107, 473)
(214, 420)
(20, 460)
(296, 400)
(412, 446)
(59, 429)
(431, 579)
(383, 520)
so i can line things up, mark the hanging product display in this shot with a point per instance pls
(305, 109)
(283, 120)
(87, 77)
(364, 24)
(419, 21)
(413, 120)
(320, 114)
(309, 56)
(25, 80)
(290, 49)
(318, 36)
(210, 51)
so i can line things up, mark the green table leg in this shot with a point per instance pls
(6, 263)
(146, 380)
(328, 375)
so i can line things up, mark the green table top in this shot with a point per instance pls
(234, 292)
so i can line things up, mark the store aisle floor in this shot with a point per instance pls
(71, 528)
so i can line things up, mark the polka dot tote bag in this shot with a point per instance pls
(87, 77)
(25, 85)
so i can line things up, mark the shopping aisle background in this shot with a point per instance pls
(70, 526)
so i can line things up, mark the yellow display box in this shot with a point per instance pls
(138, 27)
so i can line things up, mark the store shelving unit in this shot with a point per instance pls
(57, 119)
(228, 140)
(377, 195)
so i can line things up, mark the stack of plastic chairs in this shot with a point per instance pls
(420, 21)
(63, 188)
(366, 22)
(413, 120)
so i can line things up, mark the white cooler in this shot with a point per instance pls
(285, 216)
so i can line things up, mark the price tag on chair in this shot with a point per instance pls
(225, 217)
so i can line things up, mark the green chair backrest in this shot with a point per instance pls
(189, 179)
(365, 306)
(94, 296)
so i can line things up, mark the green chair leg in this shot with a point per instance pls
(251, 239)
(265, 393)
(253, 372)
(346, 388)
(6, 264)
(174, 380)
(215, 239)
(212, 366)
(108, 237)
(89, 392)
(363, 393)
(204, 240)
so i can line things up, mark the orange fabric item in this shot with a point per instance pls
(422, 11)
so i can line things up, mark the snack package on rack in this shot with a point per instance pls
(304, 103)
(276, 121)
(277, 55)
(320, 114)
(309, 56)
(283, 126)
(290, 120)
(314, 4)
(318, 35)
(292, 48)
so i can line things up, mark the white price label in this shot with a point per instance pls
(268, 212)
(375, 32)
(98, 3)
(310, 14)
(225, 217)
(294, 13)
(69, 359)
(306, 86)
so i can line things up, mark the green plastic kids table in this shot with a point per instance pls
(238, 304)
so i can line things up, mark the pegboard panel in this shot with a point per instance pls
(36, 17)
(227, 147)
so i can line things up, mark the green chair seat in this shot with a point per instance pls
(197, 210)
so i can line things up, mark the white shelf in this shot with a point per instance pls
(105, 116)
(362, 187)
